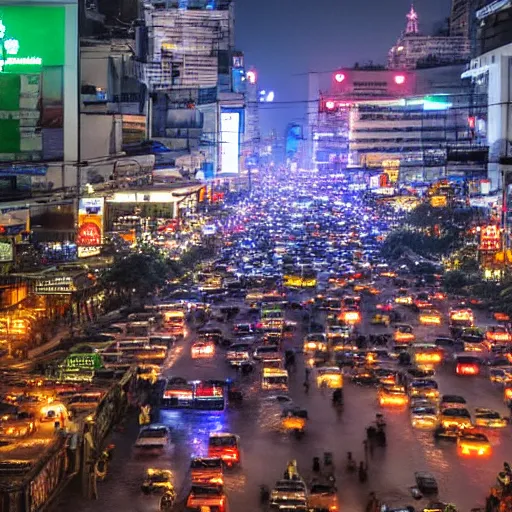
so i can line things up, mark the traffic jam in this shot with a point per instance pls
(304, 372)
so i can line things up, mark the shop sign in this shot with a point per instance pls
(44, 484)
(87, 252)
(490, 238)
(438, 201)
(6, 251)
(83, 361)
(55, 286)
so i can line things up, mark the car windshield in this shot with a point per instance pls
(474, 437)
(322, 489)
(205, 490)
(153, 433)
(159, 477)
(489, 415)
(424, 410)
(223, 441)
(206, 464)
(457, 412)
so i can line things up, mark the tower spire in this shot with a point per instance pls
(412, 21)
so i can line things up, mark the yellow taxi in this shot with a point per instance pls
(489, 419)
(430, 317)
(329, 377)
(424, 388)
(393, 396)
(469, 443)
(425, 417)
(455, 417)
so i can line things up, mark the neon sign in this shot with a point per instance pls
(11, 48)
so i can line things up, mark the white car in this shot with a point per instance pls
(153, 439)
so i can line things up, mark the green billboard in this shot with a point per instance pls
(31, 37)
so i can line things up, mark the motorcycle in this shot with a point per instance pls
(167, 501)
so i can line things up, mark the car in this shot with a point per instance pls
(489, 418)
(207, 497)
(424, 417)
(500, 375)
(323, 497)
(426, 388)
(430, 317)
(455, 417)
(202, 349)
(452, 401)
(225, 446)
(153, 439)
(19, 425)
(157, 481)
(473, 443)
(285, 490)
(238, 354)
(426, 483)
(403, 333)
(394, 396)
(204, 470)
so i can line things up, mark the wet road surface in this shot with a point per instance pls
(265, 452)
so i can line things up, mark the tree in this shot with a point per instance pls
(137, 275)
(455, 281)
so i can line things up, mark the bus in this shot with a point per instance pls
(198, 395)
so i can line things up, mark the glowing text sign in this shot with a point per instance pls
(31, 37)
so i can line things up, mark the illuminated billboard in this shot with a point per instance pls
(90, 226)
(31, 37)
(230, 128)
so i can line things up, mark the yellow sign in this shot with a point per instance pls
(438, 201)
(391, 164)
(392, 175)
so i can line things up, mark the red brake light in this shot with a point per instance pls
(399, 79)
(329, 105)
(467, 369)
(339, 77)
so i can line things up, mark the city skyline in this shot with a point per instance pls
(284, 56)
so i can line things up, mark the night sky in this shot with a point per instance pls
(283, 38)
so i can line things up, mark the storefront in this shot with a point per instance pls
(27, 486)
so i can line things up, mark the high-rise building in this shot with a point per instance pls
(187, 60)
(414, 50)
(490, 72)
(460, 17)
(408, 123)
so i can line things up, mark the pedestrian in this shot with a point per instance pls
(363, 473)
(307, 372)
(306, 387)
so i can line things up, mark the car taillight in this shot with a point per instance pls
(467, 369)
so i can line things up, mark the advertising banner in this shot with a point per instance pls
(6, 251)
(90, 226)
(490, 238)
(230, 123)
